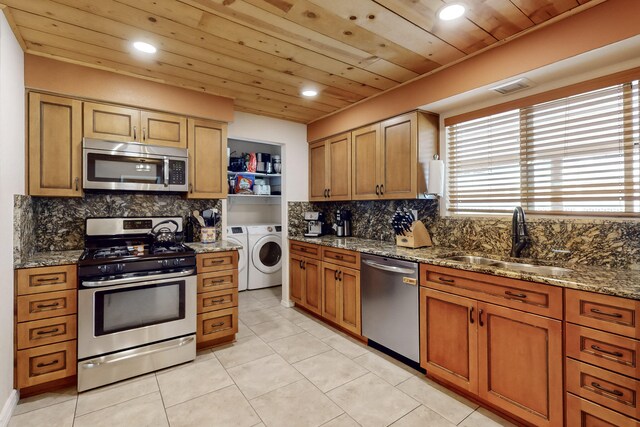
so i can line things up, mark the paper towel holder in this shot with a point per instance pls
(436, 179)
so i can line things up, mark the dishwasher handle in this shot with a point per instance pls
(389, 268)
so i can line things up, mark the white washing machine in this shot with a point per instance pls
(238, 234)
(265, 255)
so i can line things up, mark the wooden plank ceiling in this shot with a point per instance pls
(263, 52)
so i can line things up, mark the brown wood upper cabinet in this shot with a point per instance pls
(207, 159)
(389, 159)
(55, 146)
(125, 124)
(330, 169)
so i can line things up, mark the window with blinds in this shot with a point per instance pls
(577, 155)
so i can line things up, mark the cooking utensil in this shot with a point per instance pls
(207, 215)
(196, 215)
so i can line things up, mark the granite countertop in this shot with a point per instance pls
(219, 246)
(45, 259)
(623, 283)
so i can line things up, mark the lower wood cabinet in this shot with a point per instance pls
(46, 325)
(582, 413)
(217, 319)
(305, 279)
(508, 358)
(341, 296)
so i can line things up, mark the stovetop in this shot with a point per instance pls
(134, 251)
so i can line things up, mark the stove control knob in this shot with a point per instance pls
(176, 261)
(165, 262)
(103, 268)
(119, 267)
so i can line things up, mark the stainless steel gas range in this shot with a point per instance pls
(136, 299)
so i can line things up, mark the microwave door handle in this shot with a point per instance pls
(166, 171)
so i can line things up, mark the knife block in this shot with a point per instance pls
(417, 237)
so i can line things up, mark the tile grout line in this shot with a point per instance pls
(162, 399)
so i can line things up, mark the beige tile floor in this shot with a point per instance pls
(285, 369)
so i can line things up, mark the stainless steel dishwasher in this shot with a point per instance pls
(390, 305)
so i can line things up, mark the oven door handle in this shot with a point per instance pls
(128, 280)
(114, 358)
(166, 171)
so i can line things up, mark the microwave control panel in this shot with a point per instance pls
(177, 172)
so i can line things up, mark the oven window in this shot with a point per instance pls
(124, 309)
(112, 168)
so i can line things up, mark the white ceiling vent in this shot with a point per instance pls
(513, 86)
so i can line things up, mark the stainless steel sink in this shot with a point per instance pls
(527, 268)
(472, 259)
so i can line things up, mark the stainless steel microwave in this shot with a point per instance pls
(133, 166)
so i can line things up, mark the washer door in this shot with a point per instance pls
(267, 254)
(242, 253)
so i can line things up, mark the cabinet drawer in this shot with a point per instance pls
(49, 304)
(582, 413)
(614, 391)
(46, 279)
(531, 297)
(342, 257)
(47, 363)
(609, 313)
(217, 300)
(305, 249)
(217, 324)
(603, 349)
(47, 331)
(217, 280)
(217, 261)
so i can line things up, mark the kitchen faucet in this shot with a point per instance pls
(519, 235)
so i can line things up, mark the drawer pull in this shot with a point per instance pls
(53, 304)
(42, 365)
(216, 301)
(616, 315)
(602, 350)
(442, 279)
(511, 294)
(339, 257)
(215, 325)
(606, 390)
(218, 281)
(50, 331)
(50, 279)
(217, 261)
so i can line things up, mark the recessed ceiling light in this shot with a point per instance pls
(309, 93)
(451, 11)
(145, 47)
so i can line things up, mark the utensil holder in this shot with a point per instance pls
(417, 237)
(208, 234)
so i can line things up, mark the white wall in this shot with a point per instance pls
(12, 125)
(293, 139)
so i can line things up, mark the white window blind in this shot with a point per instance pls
(576, 155)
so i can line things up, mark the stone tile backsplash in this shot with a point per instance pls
(609, 243)
(58, 223)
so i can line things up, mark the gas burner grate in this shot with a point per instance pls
(177, 248)
(114, 252)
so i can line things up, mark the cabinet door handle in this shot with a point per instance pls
(54, 304)
(135, 133)
(471, 316)
(190, 188)
(377, 190)
(602, 350)
(340, 275)
(442, 279)
(606, 390)
(49, 279)
(50, 331)
(329, 192)
(144, 134)
(603, 313)
(42, 365)
(511, 294)
(304, 265)
(300, 264)
(335, 275)
(480, 312)
(382, 189)
(77, 183)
